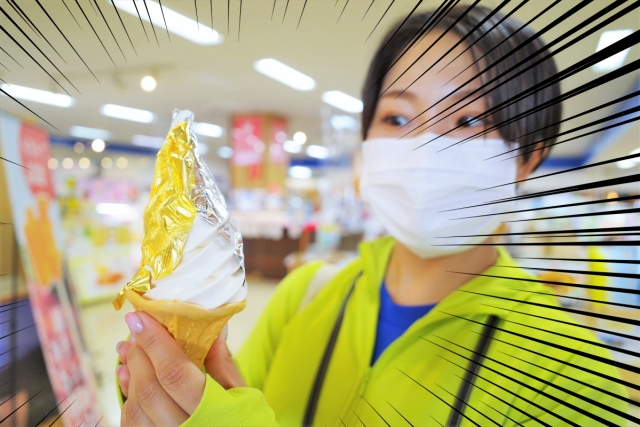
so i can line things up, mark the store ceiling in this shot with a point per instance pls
(217, 81)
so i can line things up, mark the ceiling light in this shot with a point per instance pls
(52, 163)
(291, 146)
(341, 122)
(284, 74)
(300, 172)
(225, 152)
(78, 147)
(203, 149)
(607, 39)
(143, 162)
(176, 23)
(147, 141)
(318, 151)
(119, 209)
(122, 162)
(67, 163)
(84, 163)
(342, 101)
(106, 162)
(207, 129)
(37, 95)
(127, 113)
(629, 163)
(300, 137)
(98, 145)
(148, 83)
(89, 133)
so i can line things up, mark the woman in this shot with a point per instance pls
(400, 336)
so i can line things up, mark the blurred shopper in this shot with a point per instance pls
(400, 335)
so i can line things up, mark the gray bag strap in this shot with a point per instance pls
(323, 275)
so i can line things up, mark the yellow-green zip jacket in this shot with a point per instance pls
(538, 368)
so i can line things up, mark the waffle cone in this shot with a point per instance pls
(193, 327)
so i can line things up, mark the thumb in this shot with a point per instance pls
(220, 365)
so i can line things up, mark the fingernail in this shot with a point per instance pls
(118, 346)
(134, 322)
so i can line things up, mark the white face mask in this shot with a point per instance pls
(408, 189)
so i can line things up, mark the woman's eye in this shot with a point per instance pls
(395, 120)
(469, 121)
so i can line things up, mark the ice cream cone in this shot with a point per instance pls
(193, 327)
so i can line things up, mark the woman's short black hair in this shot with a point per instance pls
(506, 36)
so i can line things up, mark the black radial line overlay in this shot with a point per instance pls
(534, 233)
(123, 27)
(367, 11)
(195, 4)
(39, 50)
(467, 405)
(7, 160)
(11, 2)
(590, 273)
(426, 27)
(286, 6)
(273, 9)
(141, 23)
(503, 388)
(380, 20)
(345, 6)
(239, 20)
(71, 13)
(613, 261)
(438, 422)
(6, 53)
(109, 27)
(94, 32)
(51, 411)
(165, 19)
(584, 383)
(61, 413)
(588, 186)
(604, 360)
(22, 16)
(507, 15)
(31, 111)
(15, 410)
(589, 243)
(65, 37)
(557, 387)
(438, 397)
(573, 285)
(398, 412)
(601, 213)
(304, 6)
(579, 66)
(504, 415)
(614, 304)
(475, 385)
(150, 20)
(3, 66)
(573, 365)
(374, 410)
(424, 34)
(591, 202)
(359, 419)
(211, 9)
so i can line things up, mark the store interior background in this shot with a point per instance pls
(306, 206)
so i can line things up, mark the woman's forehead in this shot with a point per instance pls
(429, 54)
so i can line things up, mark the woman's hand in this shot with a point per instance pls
(161, 384)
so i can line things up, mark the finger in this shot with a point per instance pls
(122, 372)
(122, 348)
(220, 365)
(181, 379)
(133, 415)
(154, 400)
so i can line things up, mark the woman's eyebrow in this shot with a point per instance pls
(400, 94)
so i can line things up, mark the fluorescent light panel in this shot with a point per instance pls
(127, 113)
(342, 101)
(147, 141)
(207, 129)
(284, 74)
(225, 152)
(607, 39)
(291, 146)
(176, 23)
(37, 95)
(300, 172)
(89, 133)
(317, 151)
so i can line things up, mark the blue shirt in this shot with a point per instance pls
(394, 320)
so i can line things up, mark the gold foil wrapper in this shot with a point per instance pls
(182, 188)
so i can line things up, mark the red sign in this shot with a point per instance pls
(276, 148)
(34, 152)
(248, 146)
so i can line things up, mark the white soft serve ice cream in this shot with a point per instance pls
(211, 268)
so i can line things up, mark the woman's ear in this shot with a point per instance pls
(526, 168)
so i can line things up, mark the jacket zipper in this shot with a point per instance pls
(470, 375)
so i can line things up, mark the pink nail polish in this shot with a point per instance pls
(118, 346)
(134, 322)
